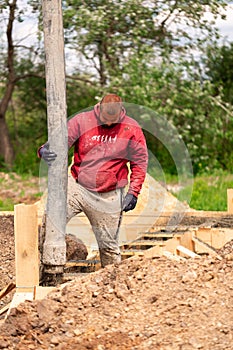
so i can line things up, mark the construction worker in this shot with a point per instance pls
(105, 141)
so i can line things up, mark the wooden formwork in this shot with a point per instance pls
(27, 255)
(184, 242)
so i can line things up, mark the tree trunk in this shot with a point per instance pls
(6, 149)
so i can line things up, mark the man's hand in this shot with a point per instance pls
(47, 155)
(129, 202)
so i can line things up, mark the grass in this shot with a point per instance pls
(6, 205)
(209, 191)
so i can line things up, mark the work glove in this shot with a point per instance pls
(46, 154)
(129, 202)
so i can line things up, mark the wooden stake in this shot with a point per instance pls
(26, 246)
(230, 200)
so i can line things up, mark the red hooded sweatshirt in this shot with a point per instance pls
(101, 152)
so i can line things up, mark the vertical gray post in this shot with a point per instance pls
(54, 249)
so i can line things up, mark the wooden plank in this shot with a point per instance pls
(215, 237)
(26, 246)
(185, 251)
(220, 236)
(23, 294)
(7, 290)
(171, 256)
(5, 309)
(171, 245)
(154, 252)
(25, 290)
(42, 292)
(132, 252)
(18, 298)
(144, 243)
(205, 234)
(230, 200)
(81, 263)
(202, 247)
(163, 235)
(186, 240)
(228, 235)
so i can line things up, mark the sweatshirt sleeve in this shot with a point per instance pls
(138, 162)
(73, 131)
(46, 145)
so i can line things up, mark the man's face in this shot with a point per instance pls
(110, 112)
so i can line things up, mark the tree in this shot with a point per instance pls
(180, 95)
(108, 33)
(219, 69)
(11, 74)
(145, 50)
(6, 149)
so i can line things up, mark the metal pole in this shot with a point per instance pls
(54, 249)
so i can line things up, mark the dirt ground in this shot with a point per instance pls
(7, 255)
(140, 304)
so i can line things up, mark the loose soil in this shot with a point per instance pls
(138, 305)
(7, 255)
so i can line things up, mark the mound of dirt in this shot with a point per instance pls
(227, 251)
(75, 248)
(137, 305)
(7, 255)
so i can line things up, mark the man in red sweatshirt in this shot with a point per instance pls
(105, 140)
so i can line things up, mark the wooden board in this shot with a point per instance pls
(230, 200)
(186, 240)
(202, 247)
(42, 292)
(187, 252)
(5, 309)
(26, 246)
(18, 298)
(7, 290)
(215, 237)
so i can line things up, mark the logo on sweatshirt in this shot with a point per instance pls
(104, 138)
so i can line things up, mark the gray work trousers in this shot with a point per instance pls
(103, 211)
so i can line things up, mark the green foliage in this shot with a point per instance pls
(80, 95)
(6, 205)
(176, 93)
(27, 162)
(209, 191)
(128, 47)
(109, 33)
(219, 65)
